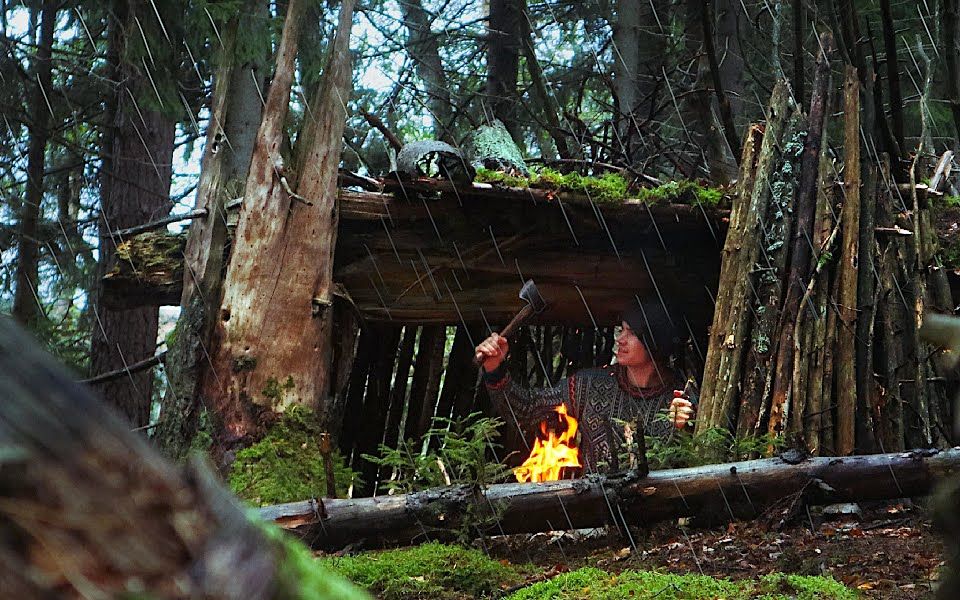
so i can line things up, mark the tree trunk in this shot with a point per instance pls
(746, 489)
(424, 48)
(730, 332)
(951, 50)
(893, 76)
(697, 117)
(768, 287)
(26, 299)
(728, 47)
(726, 115)
(135, 189)
(127, 521)
(204, 253)
(799, 32)
(638, 56)
(248, 85)
(503, 61)
(272, 343)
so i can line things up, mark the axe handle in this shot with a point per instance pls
(507, 331)
(517, 321)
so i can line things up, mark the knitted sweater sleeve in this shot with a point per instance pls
(525, 406)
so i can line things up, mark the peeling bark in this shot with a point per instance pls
(272, 344)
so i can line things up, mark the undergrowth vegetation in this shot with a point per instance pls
(459, 451)
(286, 464)
(709, 447)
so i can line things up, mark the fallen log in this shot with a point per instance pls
(739, 490)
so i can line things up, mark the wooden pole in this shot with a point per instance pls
(848, 269)
(800, 251)
(729, 334)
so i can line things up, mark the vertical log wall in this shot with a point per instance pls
(829, 267)
(405, 376)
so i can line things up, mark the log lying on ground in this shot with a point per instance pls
(739, 490)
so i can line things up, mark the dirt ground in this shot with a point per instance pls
(887, 551)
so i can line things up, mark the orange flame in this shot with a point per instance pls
(551, 452)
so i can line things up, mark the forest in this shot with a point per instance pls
(250, 249)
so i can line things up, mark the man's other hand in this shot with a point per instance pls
(681, 410)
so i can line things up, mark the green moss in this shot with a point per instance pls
(203, 439)
(777, 586)
(501, 178)
(244, 363)
(300, 576)
(590, 583)
(428, 571)
(286, 465)
(609, 187)
(275, 391)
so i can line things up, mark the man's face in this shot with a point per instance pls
(630, 350)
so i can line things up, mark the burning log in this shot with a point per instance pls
(729, 491)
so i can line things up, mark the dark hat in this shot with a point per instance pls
(656, 326)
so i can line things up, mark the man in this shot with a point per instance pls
(641, 385)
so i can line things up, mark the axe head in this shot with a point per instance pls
(531, 295)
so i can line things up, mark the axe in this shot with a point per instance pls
(534, 306)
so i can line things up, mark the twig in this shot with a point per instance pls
(375, 121)
(131, 231)
(135, 367)
(286, 187)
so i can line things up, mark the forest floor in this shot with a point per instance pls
(888, 551)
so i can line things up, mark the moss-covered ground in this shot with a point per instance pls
(891, 552)
(430, 571)
(609, 187)
(592, 583)
(452, 573)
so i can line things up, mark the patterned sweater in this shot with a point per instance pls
(598, 399)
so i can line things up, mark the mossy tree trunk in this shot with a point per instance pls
(272, 341)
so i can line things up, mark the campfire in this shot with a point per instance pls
(553, 450)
